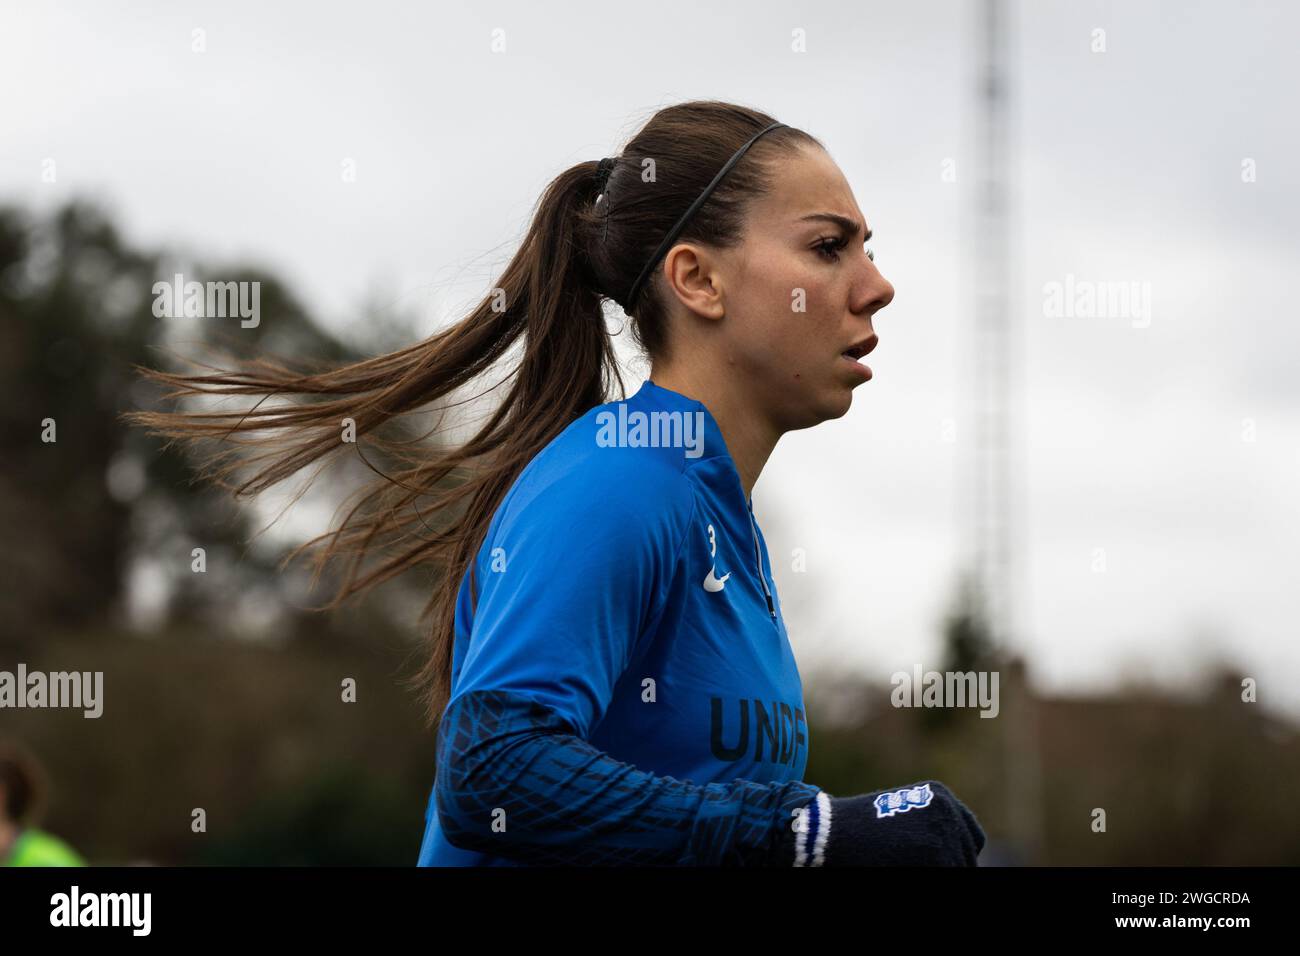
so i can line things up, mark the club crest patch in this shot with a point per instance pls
(900, 801)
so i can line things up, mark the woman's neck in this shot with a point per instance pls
(749, 436)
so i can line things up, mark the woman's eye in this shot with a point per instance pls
(829, 249)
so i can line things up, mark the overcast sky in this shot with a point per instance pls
(1174, 445)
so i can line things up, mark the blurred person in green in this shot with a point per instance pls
(21, 843)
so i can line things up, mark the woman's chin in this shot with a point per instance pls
(839, 404)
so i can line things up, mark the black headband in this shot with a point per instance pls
(676, 230)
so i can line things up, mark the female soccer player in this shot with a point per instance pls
(609, 667)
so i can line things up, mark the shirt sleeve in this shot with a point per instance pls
(514, 781)
(570, 581)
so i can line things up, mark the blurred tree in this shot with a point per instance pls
(967, 646)
(77, 513)
(72, 318)
(967, 639)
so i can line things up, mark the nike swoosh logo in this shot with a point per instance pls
(714, 583)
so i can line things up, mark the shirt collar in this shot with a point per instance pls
(659, 398)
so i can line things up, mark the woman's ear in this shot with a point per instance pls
(694, 275)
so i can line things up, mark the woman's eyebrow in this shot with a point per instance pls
(851, 226)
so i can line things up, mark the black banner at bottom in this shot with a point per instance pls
(212, 905)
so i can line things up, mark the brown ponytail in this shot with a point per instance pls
(436, 508)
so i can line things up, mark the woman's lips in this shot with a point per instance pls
(861, 367)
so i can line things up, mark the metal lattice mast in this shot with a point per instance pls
(997, 332)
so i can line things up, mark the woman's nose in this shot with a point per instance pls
(886, 292)
(879, 292)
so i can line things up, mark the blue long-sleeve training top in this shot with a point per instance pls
(623, 689)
